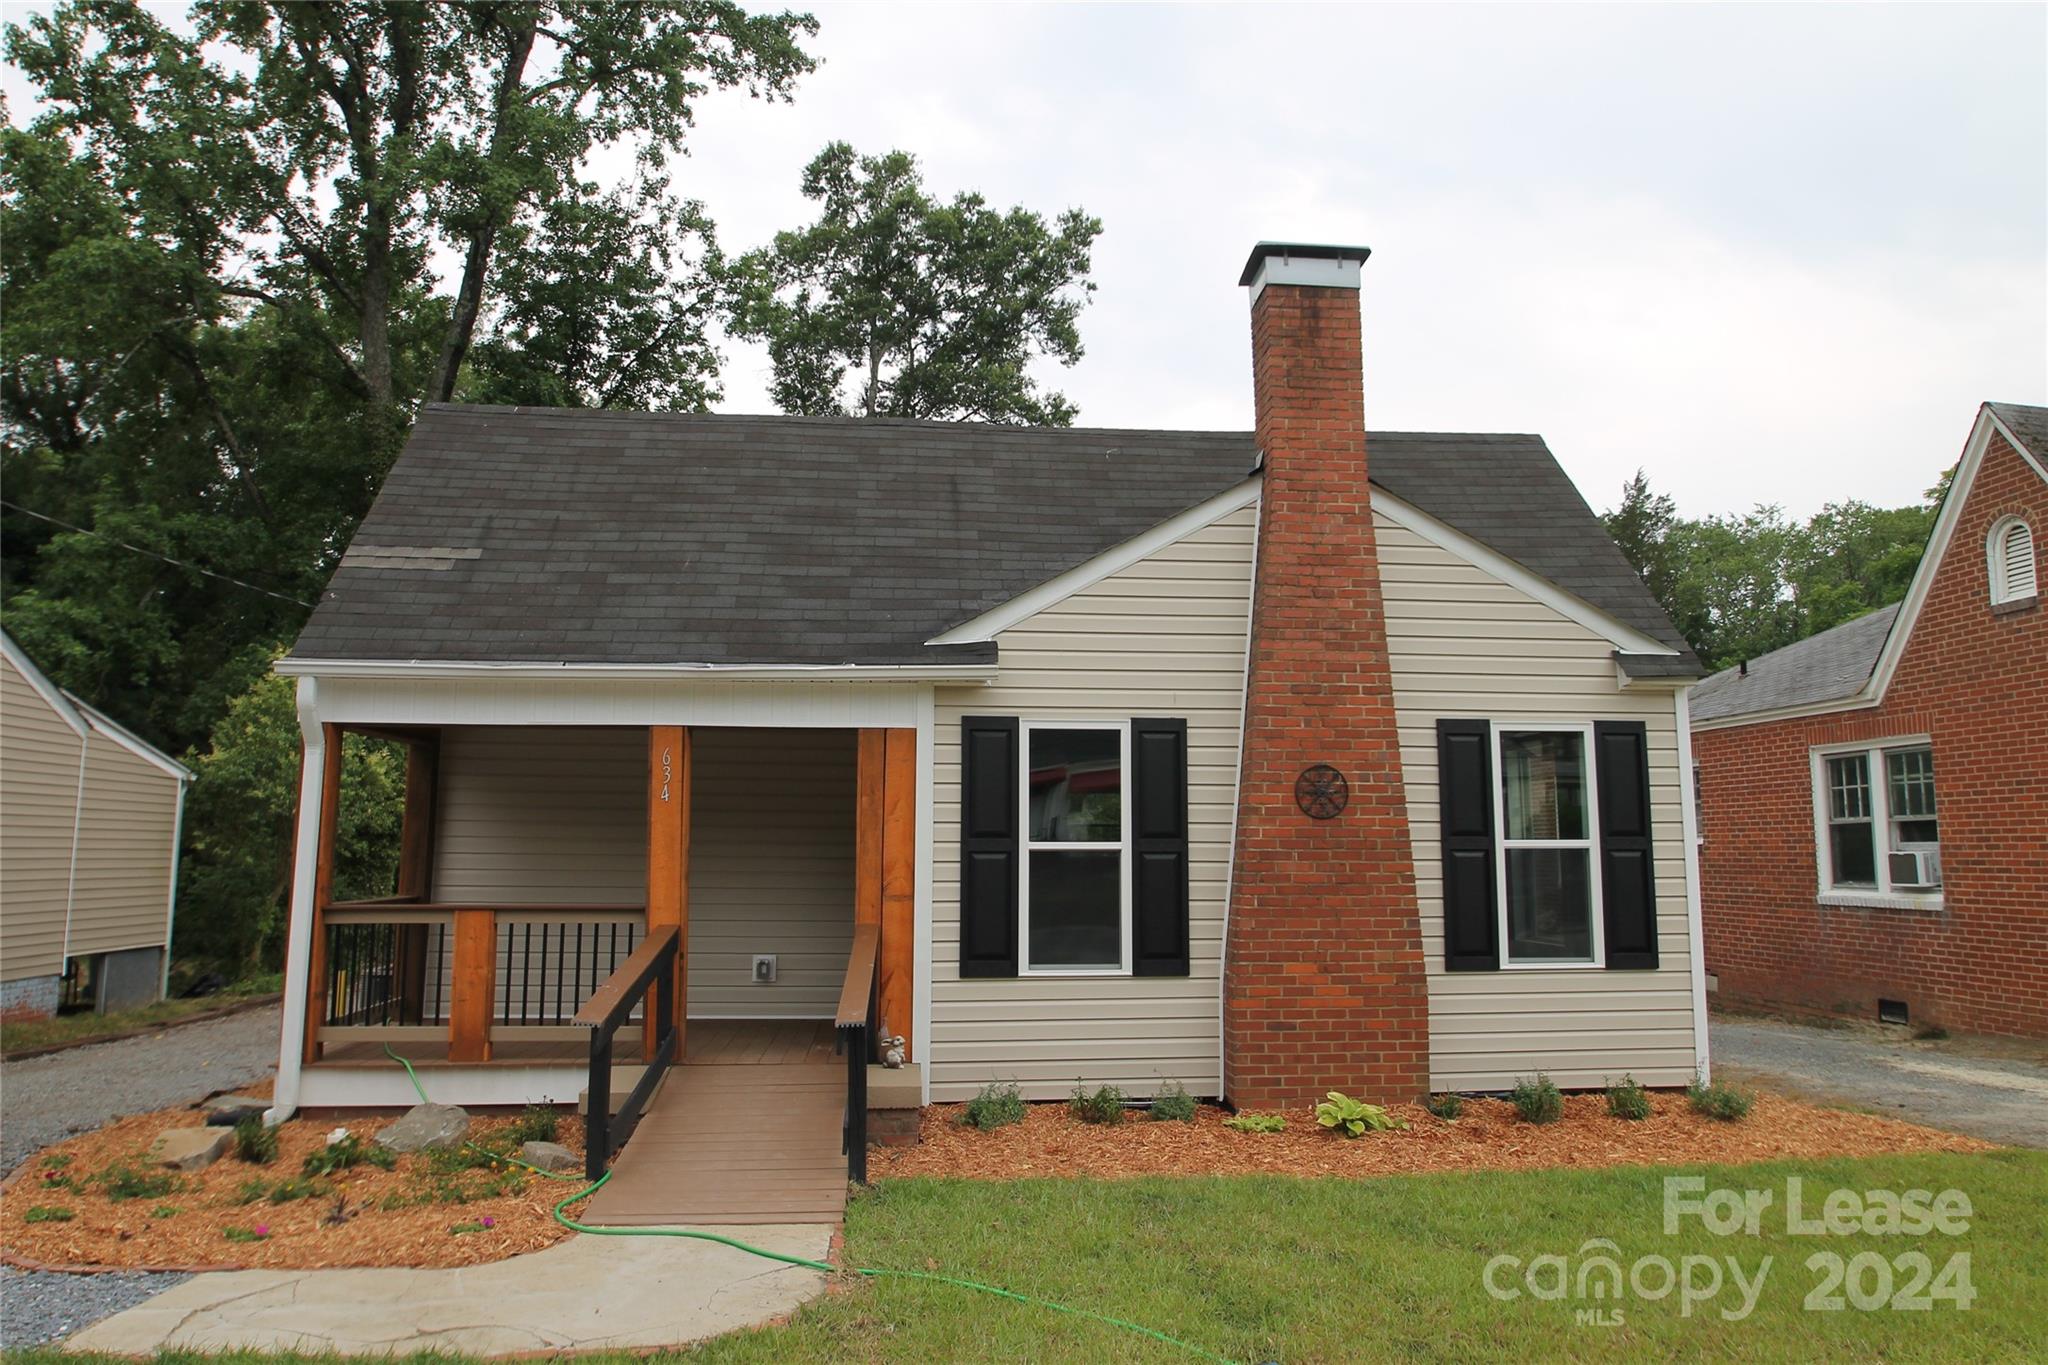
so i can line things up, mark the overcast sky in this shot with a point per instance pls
(1767, 254)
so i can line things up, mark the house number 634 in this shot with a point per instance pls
(668, 772)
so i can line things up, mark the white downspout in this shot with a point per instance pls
(1695, 931)
(298, 958)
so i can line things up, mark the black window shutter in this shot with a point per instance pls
(988, 846)
(1627, 878)
(1464, 763)
(1159, 848)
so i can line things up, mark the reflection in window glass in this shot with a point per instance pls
(1077, 784)
(1544, 785)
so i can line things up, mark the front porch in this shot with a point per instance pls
(703, 850)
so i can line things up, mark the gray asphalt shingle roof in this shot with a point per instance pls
(2028, 423)
(581, 536)
(1820, 668)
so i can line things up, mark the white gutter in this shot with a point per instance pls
(416, 668)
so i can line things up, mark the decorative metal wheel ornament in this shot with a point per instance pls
(1321, 792)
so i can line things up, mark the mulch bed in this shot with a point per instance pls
(1489, 1136)
(422, 1227)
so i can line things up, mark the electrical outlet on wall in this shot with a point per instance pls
(764, 969)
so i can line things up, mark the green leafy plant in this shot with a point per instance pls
(480, 1225)
(1256, 1123)
(1537, 1099)
(996, 1106)
(1627, 1100)
(249, 1191)
(298, 1187)
(255, 1142)
(1104, 1104)
(121, 1182)
(536, 1123)
(1723, 1102)
(1447, 1106)
(1173, 1103)
(1354, 1118)
(258, 1233)
(350, 1151)
(57, 1161)
(47, 1213)
(164, 1211)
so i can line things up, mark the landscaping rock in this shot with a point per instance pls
(426, 1126)
(189, 1149)
(549, 1156)
(225, 1111)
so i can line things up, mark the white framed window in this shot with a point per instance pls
(1548, 869)
(2010, 553)
(1876, 821)
(1074, 884)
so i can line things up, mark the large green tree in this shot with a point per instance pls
(236, 254)
(895, 303)
(1740, 586)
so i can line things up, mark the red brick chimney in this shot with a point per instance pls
(1323, 985)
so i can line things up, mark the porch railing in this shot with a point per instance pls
(421, 973)
(652, 965)
(854, 1036)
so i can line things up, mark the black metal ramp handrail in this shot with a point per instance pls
(854, 1036)
(652, 965)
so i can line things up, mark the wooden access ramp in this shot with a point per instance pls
(745, 1130)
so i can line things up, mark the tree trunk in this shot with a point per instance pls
(469, 297)
(376, 316)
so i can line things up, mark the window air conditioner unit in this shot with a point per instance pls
(1913, 869)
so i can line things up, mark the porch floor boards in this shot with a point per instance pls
(746, 1131)
(751, 1042)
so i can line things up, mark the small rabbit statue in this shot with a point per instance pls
(892, 1052)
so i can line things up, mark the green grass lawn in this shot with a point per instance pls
(1271, 1268)
(83, 1028)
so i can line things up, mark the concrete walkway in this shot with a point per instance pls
(1995, 1089)
(585, 1293)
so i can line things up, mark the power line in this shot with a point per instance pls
(179, 563)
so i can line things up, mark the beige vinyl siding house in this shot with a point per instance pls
(40, 757)
(1164, 637)
(89, 827)
(1463, 643)
(964, 712)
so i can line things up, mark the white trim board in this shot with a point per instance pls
(1938, 542)
(829, 703)
(1496, 565)
(1056, 590)
(1695, 927)
(676, 672)
(44, 688)
(132, 742)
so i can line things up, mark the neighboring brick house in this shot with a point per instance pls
(1261, 763)
(1875, 827)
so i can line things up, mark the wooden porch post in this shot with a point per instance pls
(668, 860)
(416, 873)
(323, 886)
(885, 867)
(473, 986)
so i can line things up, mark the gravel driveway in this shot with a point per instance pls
(45, 1099)
(1987, 1088)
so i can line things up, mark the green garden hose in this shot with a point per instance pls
(872, 1272)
